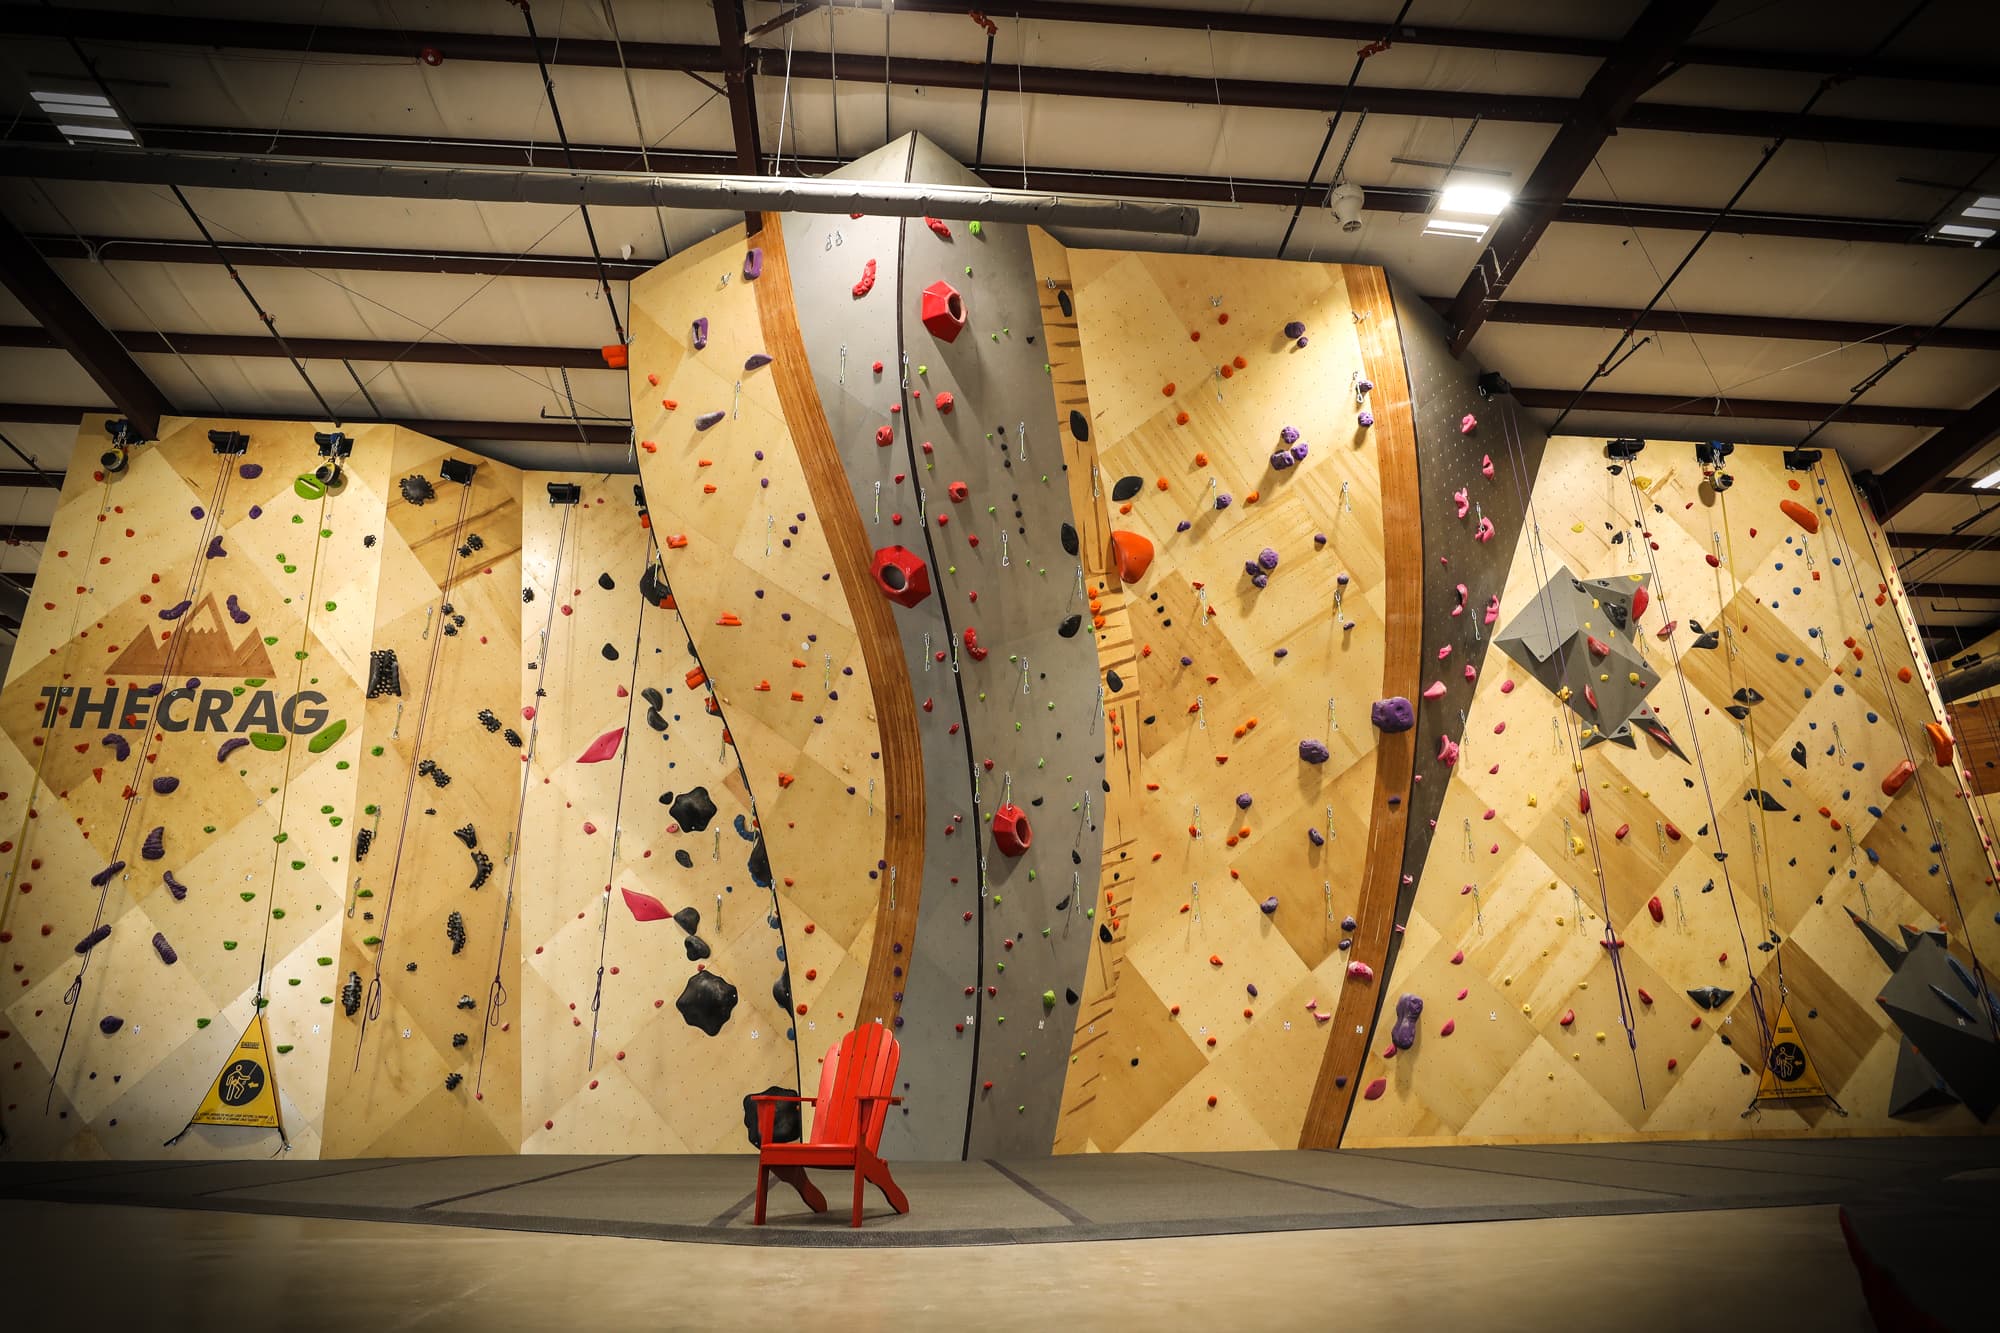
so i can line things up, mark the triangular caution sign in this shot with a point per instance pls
(1789, 1073)
(245, 1092)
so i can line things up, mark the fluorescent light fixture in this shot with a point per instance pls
(1983, 210)
(1988, 482)
(1478, 200)
(1465, 231)
(1969, 233)
(103, 109)
(121, 135)
(1987, 201)
(52, 97)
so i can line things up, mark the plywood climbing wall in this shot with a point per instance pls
(1599, 926)
(426, 1048)
(1241, 802)
(637, 810)
(750, 554)
(181, 727)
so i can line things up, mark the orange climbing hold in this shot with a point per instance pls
(1941, 743)
(1898, 776)
(729, 618)
(1131, 555)
(1800, 515)
(1903, 674)
(1167, 389)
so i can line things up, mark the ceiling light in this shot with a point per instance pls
(1973, 234)
(1478, 200)
(1465, 231)
(1988, 482)
(121, 135)
(1985, 208)
(84, 116)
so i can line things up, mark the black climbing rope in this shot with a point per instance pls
(617, 832)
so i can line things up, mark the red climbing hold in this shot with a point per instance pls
(645, 907)
(1569, 1017)
(1714, 561)
(943, 311)
(1011, 833)
(945, 402)
(972, 645)
(1450, 1026)
(900, 575)
(1800, 515)
(1898, 776)
(867, 283)
(1640, 600)
(938, 226)
(1653, 908)
(1375, 1090)
(885, 435)
(603, 748)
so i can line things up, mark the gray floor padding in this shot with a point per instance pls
(1090, 1197)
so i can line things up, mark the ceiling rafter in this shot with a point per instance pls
(1707, 404)
(552, 430)
(1955, 444)
(1846, 332)
(149, 342)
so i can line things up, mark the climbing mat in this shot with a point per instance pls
(640, 874)
(952, 456)
(1244, 556)
(421, 958)
(1679, 813)
(734, 483)
(182, 721)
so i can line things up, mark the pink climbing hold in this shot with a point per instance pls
(1462, 500)
(1486, 465)
(867, 283)
(1458, 958)
(645, 907)
(1493, 609)
(1468, 424)
(1463, 593)
(1484, 532)
(1434, 690)
(1361, 970)
(603, 748)
(1376, 1089)
(1450, 1026)
(1447, 750)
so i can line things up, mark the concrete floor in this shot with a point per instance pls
(105, 1266)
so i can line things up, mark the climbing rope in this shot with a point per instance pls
(617, 832)
(372, 1009)
(1570, 726)
(496, 993)
(210, 523)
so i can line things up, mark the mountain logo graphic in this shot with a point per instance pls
(205, 649)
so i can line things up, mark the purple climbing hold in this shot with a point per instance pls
(109, 1024)
(155, 845)
(753, 263)
(1243, 800)
(256, 511)
(1365, 419)
(757, 361)
(166, 786)
(701, 333)
(231, 746)
(250, 471)
(1268, 558)
(118, 745)
(197, 512)
(1282, 459)
(1268, 906)
(1315, 837)
(1224, 500)
(93, 939)
(1295, 329)
(1251, 988)
(1347, 923)
(1408, 1010)
(1290, 435)
(177, 610)
(164, 949)
(707, 419)
(236, 611)
(1182, 526)
(1319, 539)
(105, 876)
(1392, 715)
(1313, 751)
(1342, 578)
(1364, 386)
(1299, 452)
(174, 886)
(215, 551)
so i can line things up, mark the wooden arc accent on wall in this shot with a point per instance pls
(1395, 433)
(874, 625)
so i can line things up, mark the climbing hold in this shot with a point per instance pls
(706, 1002)
(155, 845)
(708, 419)
(1360, 969)
(1269, 906)
(603, 748)
(700, 332)
(1898, 777)
(164, 949)
(1800, 515)
(1392, 715)
(1375, 1090)
(943, 310)
(1131, 555)
(972, 647)
(1941, 743)
(1409, 1008)
(1468, 424)
(900, 576)
(93, 939)
(753, 263)
(1653, 908)
(1011, 833)
(866, 283)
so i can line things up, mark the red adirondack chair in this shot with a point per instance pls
(852, 1105)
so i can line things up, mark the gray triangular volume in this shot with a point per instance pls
(1884, 947)
(1915, 1085)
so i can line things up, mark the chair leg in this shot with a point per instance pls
(860, 1176)
(878, 1172)
(757, 1219)
(796, 1177)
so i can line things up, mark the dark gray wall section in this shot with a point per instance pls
(828, 254)
(1049, 737)
(1443, 391)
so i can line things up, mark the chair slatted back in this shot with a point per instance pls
(862, 1065)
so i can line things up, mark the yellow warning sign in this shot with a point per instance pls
(245, 1093)
(1789, 1072)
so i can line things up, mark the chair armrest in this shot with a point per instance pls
(866, 1097)
(777, 1097)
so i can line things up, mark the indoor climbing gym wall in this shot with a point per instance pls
(642, 879)
(1233, 421)
(1704, 867)
(427, 1045)
(183, 723)
(770, 579)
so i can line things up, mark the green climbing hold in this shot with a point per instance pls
(229, 945)
(286, 1049)
(336, 821)
(325, 962)
(200, 1023)
(293, 982)
(281, 838)
(342, 765)
(208, 828)
(1048, 1002)
(324, 741)
(371, 940)
(975, 228)
(296, 865)
(278, 914)
(246, 897)
(333, 606)
(326, 999)
(270, 641)
(254, 681)
(377, 752)
(308, 487)
(267, 740)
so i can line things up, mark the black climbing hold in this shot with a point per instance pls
(482, 869)
(682, 859)
(693, 810)
(653, 586)
(760, 864)
(466, 1002)
(1125, 488)
(781, 990)
(385, 676)
(786, 1125)
(1104, 932)
(688, 919)
(512, 737)
(1062, 903)
(454, 929)
(1765, 799)
(1708, 640)
(605, 582)
(1710, 997)
(109, 1024)
(527, 595)
(1071, 996)
(452, 1080)
(467, 835)
(1078, 426)
(418, 490)
(1063, 303)
(363, 839)
(488, 720)
(1070, 625)
(1113, 681)
(1746, 695)
(350, 994)
(1737, 711)
(1069, 539)
(651, 694)
(706, 1002)
(610, 653)
(1799, 753)
(697, 948)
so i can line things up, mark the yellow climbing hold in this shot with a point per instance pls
(1533, 800)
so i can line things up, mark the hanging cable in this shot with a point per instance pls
(617, 834)
(569, 160)
(1307, 191)
(639, 126)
